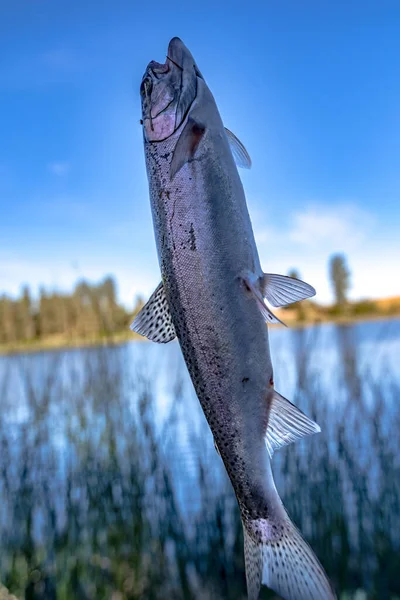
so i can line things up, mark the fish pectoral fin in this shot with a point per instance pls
(240, 154)
(154, 320)
(265, 311)
(280, 290)
(187, 144)
(286, 423)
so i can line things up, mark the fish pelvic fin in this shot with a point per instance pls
(276, 555)
(286, 423)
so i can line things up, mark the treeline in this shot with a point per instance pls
(90, 311)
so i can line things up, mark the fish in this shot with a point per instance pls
(214, 298)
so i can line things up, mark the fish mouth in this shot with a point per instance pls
(158, 68)
(176, 54)
(181, 56)
(168, 90)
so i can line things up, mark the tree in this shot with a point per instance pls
(340, 278)
(294, 273)
(9, 320)
(108, 300)
(90, 311)
(26, 322)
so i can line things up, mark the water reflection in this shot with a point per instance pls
(110, 486)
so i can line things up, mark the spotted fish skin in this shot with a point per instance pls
(205, 249)
(210, 266)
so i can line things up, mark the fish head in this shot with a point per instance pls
(167, 92)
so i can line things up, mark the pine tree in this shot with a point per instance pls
(340, 279)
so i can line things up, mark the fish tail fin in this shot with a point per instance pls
(277, 556)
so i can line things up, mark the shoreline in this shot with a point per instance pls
(57, 343)
(50, 344)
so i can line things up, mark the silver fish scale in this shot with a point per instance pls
(204, 247)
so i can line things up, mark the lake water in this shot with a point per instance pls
(110, 486)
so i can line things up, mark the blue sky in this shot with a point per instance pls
(311, 88)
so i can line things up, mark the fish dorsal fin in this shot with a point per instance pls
(286, 423)
(187, 145)
(280, 290)
(268, 315)
(240, 154)
(154, 320)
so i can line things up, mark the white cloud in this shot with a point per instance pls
(342, 227)
(61, 168)
(306, 243)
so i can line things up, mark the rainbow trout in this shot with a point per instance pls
(212, 297)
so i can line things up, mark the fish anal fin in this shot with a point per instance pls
(154, 319)
(187, 145)
(280, 290)
(286, 423)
